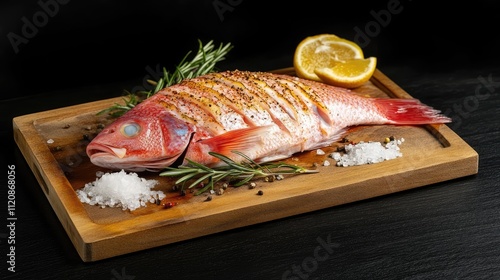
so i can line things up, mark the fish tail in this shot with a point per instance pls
(409, 112)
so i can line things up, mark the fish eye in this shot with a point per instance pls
(130, 129)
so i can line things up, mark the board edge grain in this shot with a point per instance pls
(102, 246)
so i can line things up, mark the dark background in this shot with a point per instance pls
(91, 50)
(88, 43)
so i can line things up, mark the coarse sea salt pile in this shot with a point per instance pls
(120, 189)
(368, 152)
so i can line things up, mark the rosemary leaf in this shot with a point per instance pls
(244, 181)
(210, 185)
(238, 174)
(202, 63)
(179, 171)
(199, 166)
(188, 176)
(200, 180)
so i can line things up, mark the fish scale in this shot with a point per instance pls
(303, 121)
(251, 112)
(265, 116)
(259, 97)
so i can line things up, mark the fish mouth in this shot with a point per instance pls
(97, 150)
(114, 158)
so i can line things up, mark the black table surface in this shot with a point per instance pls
(448, 230)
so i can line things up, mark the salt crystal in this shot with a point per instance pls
(368, 153)
(50, 141)
(336, 156)
(120, 189)
(320, 152)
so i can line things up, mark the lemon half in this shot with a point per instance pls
(330, 59)
(349, 74)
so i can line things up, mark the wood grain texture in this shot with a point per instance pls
(432, 154)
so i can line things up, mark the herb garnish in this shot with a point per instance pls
(202, 63)
(237, 173)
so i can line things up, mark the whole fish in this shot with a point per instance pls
(262, 115)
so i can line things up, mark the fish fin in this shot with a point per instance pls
(273, 158)
(409, 112)
(243, 140)
(332, 138)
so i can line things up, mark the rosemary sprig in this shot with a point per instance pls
(238, 174)
(202, 63)
(117, 109)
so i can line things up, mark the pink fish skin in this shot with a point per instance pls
(265, 116)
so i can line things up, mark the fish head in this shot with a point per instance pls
(140, 140)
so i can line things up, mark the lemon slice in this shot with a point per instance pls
(350, 73)
(323, 51)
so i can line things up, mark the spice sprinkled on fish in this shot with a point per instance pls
(263, 115)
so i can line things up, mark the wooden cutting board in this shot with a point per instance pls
(53, 144)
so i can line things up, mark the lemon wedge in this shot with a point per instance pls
(349, 74)
(323, 51)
